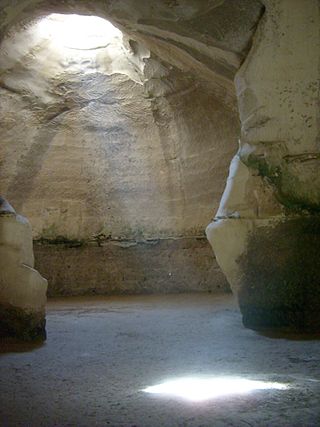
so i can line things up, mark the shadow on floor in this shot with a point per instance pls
(10, 345)
(290, 336)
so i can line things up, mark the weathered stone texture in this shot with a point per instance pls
(279, 287)
(117, 149)
(265, 234)
(114, 143)
(135, 146)
(159, 266)
(22, 289)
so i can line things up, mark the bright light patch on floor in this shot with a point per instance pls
(77, 31)
(200, 389)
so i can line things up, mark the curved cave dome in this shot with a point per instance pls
(77, 31)
(104, 142)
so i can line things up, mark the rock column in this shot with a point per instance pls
(22, 288)
(266, 233)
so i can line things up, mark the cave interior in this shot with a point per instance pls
(159, 213)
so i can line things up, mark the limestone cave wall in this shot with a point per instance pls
(269, 213)
(121, 145)
(138, 151)
(128, 152)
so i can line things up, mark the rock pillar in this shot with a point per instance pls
(22, 289)
(266, 233)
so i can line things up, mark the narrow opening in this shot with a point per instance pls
(77, 31)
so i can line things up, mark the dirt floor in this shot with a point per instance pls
(102, 353)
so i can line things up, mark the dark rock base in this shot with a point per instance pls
(281, 277)
(283, 319)
(128, 267)
(21, 325)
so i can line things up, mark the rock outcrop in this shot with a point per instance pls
(266, 231)
(22, 289)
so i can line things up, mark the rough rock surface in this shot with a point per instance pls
(269, 212)
(179, 59)
(210, 38)
(115, 143)
(22, 289)
(121, 148)
(130, 267)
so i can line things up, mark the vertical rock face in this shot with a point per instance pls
(22, 289)
(107, 143)
(266, 231)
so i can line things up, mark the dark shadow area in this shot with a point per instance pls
(290, 336)
(11, 345)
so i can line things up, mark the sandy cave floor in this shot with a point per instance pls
(102, 352)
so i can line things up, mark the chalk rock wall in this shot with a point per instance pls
(111, 144)
(176, 68)
(266, 231)
(130, 267)
(22, 289)
(135, 149)
(209, 38)
(117, 150)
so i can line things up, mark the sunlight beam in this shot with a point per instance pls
(78, 31)
(200, 389)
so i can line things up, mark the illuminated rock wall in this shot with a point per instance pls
(110, 144)
(266, 231)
